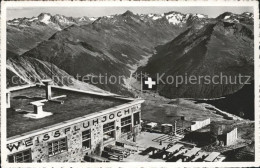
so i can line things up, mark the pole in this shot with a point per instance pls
(51, 68)
(175, 127)
(141, 84)
(182, 125)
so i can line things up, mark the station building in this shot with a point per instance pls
(47, 123)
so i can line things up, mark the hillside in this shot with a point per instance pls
(219, 47)
(240, 103)
(111, 45)
(25, 70)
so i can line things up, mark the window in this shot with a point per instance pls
(21, 157)
(126, 129)
(57, 147)
(126, 123)
(86, 139)
(109, 127)
(109, 131)
(137, 118)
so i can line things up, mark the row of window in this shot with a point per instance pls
(126, 121)
(57, 147)
(60, 145)
(126, 124)
(21, 157)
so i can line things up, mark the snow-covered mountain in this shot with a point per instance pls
(55, 21)
(246, 17)
(26, 33)
(180, 18)
(176, 18)
(173, 18)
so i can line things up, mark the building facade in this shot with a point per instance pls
(71, 140)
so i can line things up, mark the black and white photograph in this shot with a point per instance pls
(130, 83)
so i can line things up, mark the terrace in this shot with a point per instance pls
(151, 151)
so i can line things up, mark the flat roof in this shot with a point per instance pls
(76, 104)
(175, 148)
(212, 156)
(200, 155)
(192, 152)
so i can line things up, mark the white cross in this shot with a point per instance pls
(150, 83)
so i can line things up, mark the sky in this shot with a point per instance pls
(211, 11)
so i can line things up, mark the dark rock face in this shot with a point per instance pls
(240, 103)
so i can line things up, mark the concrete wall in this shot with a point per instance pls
(199, 124)
(217, 129)
(38, 143)
(231, 137)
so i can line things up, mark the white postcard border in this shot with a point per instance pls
(4, 6)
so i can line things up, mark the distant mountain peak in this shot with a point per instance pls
(249, 14)
(172, 12)
(128, 13)
(225, 15)
(45, 18)
(200, 16)
(44, 14)
(245, 17)
(57, 21)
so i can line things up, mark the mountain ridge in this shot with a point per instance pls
(116, 44)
